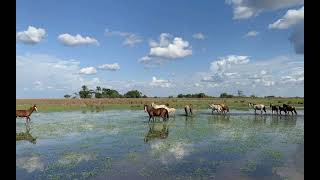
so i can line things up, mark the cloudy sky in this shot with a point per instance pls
(160, 47)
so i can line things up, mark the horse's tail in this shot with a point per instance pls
(264, 108)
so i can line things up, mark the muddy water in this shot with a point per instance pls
(121, 144)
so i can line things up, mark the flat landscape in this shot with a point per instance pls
(52, 105)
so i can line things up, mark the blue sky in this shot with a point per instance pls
(160, 47)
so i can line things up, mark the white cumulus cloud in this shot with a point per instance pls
(70, 40)
(32, 35)
(110, 67)
(160, 82)
(291, 18)
(244, 9)
(88, 70)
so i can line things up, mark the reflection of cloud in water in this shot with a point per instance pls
(72, 158)
(166, 149)
(294, 167)
(30, 164)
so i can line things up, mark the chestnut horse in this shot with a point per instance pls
(26, 113)
(162, 112)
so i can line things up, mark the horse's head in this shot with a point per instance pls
(35, 107)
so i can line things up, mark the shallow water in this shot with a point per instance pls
(121, 144)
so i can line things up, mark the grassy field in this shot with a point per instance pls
(53, 105)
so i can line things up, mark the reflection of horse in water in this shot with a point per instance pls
(157, 131)
(26, 136)
(218, 119)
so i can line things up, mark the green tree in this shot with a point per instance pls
(85, 92)
(133, 94)
(226, 95)
(110, 93)
(97, 93)
(240, 93)
(180, 95)
(67, 96)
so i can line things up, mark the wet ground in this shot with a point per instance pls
(122, 144)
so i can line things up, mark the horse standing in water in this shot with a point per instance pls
(258, 107)
(170, 110)
(289, 108)
(188, 109)
(274, 108)
(215, 107)
(162, 112)
(26, 113)
(282, 109)
(224, 108)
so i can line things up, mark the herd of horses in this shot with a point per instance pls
(163, 111)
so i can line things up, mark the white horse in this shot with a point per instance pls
(216, 107)
(256, 107)
(170, 110)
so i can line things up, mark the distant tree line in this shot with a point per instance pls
(99, 92)
(197, 95)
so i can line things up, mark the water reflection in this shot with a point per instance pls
(157, 130)
(26, 136)
(218, 119)
(289, 121)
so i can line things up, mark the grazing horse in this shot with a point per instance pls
(258, 107)
(162, 112)
(290, 108)
(26, 113)
(216, 107)
(170, 110)
(274, 108)
(188, 108)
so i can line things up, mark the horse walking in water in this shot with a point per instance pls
(162, 112)
(274, 108)
(216, 107)
(188, 109)
(282, 109)
(26, 113)
(289, 108)
(258, 107)
(224, 108)
(170, 110)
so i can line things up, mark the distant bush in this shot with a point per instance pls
(197, 95)
(225, 95)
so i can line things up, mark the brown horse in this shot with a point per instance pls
(26, 113)
(162, 112)
(290, 108)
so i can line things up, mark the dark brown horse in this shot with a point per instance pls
(274, 108)
(290, 109)
(162, 112)
(282, 109)
(26, 113)
(188, 109)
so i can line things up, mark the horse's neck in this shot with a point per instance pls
(31, 110)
